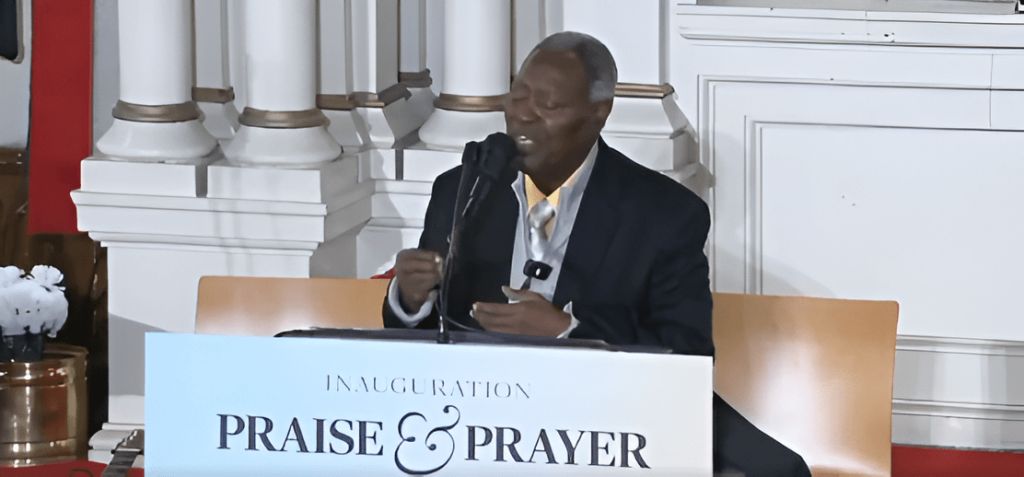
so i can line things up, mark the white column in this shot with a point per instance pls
(280, 123)
(530, 23)
(156, 118)
(374, 115)
(336, 76)
(379, 99)
(213, 91)
(477, 45)
(412, 57)
(236, 50)
(646, 123)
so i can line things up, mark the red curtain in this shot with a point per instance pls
(60, 125)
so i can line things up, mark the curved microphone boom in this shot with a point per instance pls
(492, 165)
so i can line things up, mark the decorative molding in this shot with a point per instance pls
(960, 410)
(186, 242)
(823, 26)
(958, 392)
(640, 90)
(334, 102)
(213, 95)
(418, 79)
(163, 113)
(260, 118)
(930, 344)
(995, 7)
(473, 104)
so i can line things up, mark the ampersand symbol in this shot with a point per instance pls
(431, 443)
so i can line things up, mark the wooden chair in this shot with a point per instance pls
(816, 374)
(265, 306)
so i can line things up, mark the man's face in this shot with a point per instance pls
(549, 114)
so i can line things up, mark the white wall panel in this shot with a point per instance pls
(915, 215)
(850, 162)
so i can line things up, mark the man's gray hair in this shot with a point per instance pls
(598, 64)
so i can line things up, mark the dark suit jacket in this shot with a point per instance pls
(634, 267)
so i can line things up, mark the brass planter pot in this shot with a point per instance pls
(43, 413)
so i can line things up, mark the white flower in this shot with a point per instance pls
(34, 304)
(23, 308)
(46, 276)
(7, 321)
(10, 275)
(54, 309)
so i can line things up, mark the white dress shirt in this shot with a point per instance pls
(566, 200)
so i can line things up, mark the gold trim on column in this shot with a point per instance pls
(418, 79)
(260, 118)
(163, 113)
(475, 104)
(640, 90)
(365, 99)
(334, 102)
(213, 95)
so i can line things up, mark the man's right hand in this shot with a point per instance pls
(418, 272)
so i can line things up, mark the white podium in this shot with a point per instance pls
(218, 405)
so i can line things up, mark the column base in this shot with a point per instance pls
(654, 133)
(348, 129)
(392, 126)
(365, 251)
(421, 103)
(300, 147)
(451, 130)
(180, 142)
(221, 119)
(649, 130)
(424, 165)
(312, 184)
(103, 174)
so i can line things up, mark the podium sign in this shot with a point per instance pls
(224, 406)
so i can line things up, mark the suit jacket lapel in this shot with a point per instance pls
(595, 227)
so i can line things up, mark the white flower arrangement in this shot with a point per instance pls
(32, 303)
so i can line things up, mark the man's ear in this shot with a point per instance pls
(602, 109)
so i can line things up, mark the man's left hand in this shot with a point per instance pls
(529, 314)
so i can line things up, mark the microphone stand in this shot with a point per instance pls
(443, 335)
(454, 240)
(448, 271)
(486, 172)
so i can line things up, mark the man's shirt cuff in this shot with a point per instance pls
(572, 324)
(395, 302)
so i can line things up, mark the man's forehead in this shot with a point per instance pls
(563, 65)
(562, 59)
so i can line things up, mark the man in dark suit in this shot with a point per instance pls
(625, 244)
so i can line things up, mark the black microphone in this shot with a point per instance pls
(534, 269)
(538, 270)
(492, 164)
